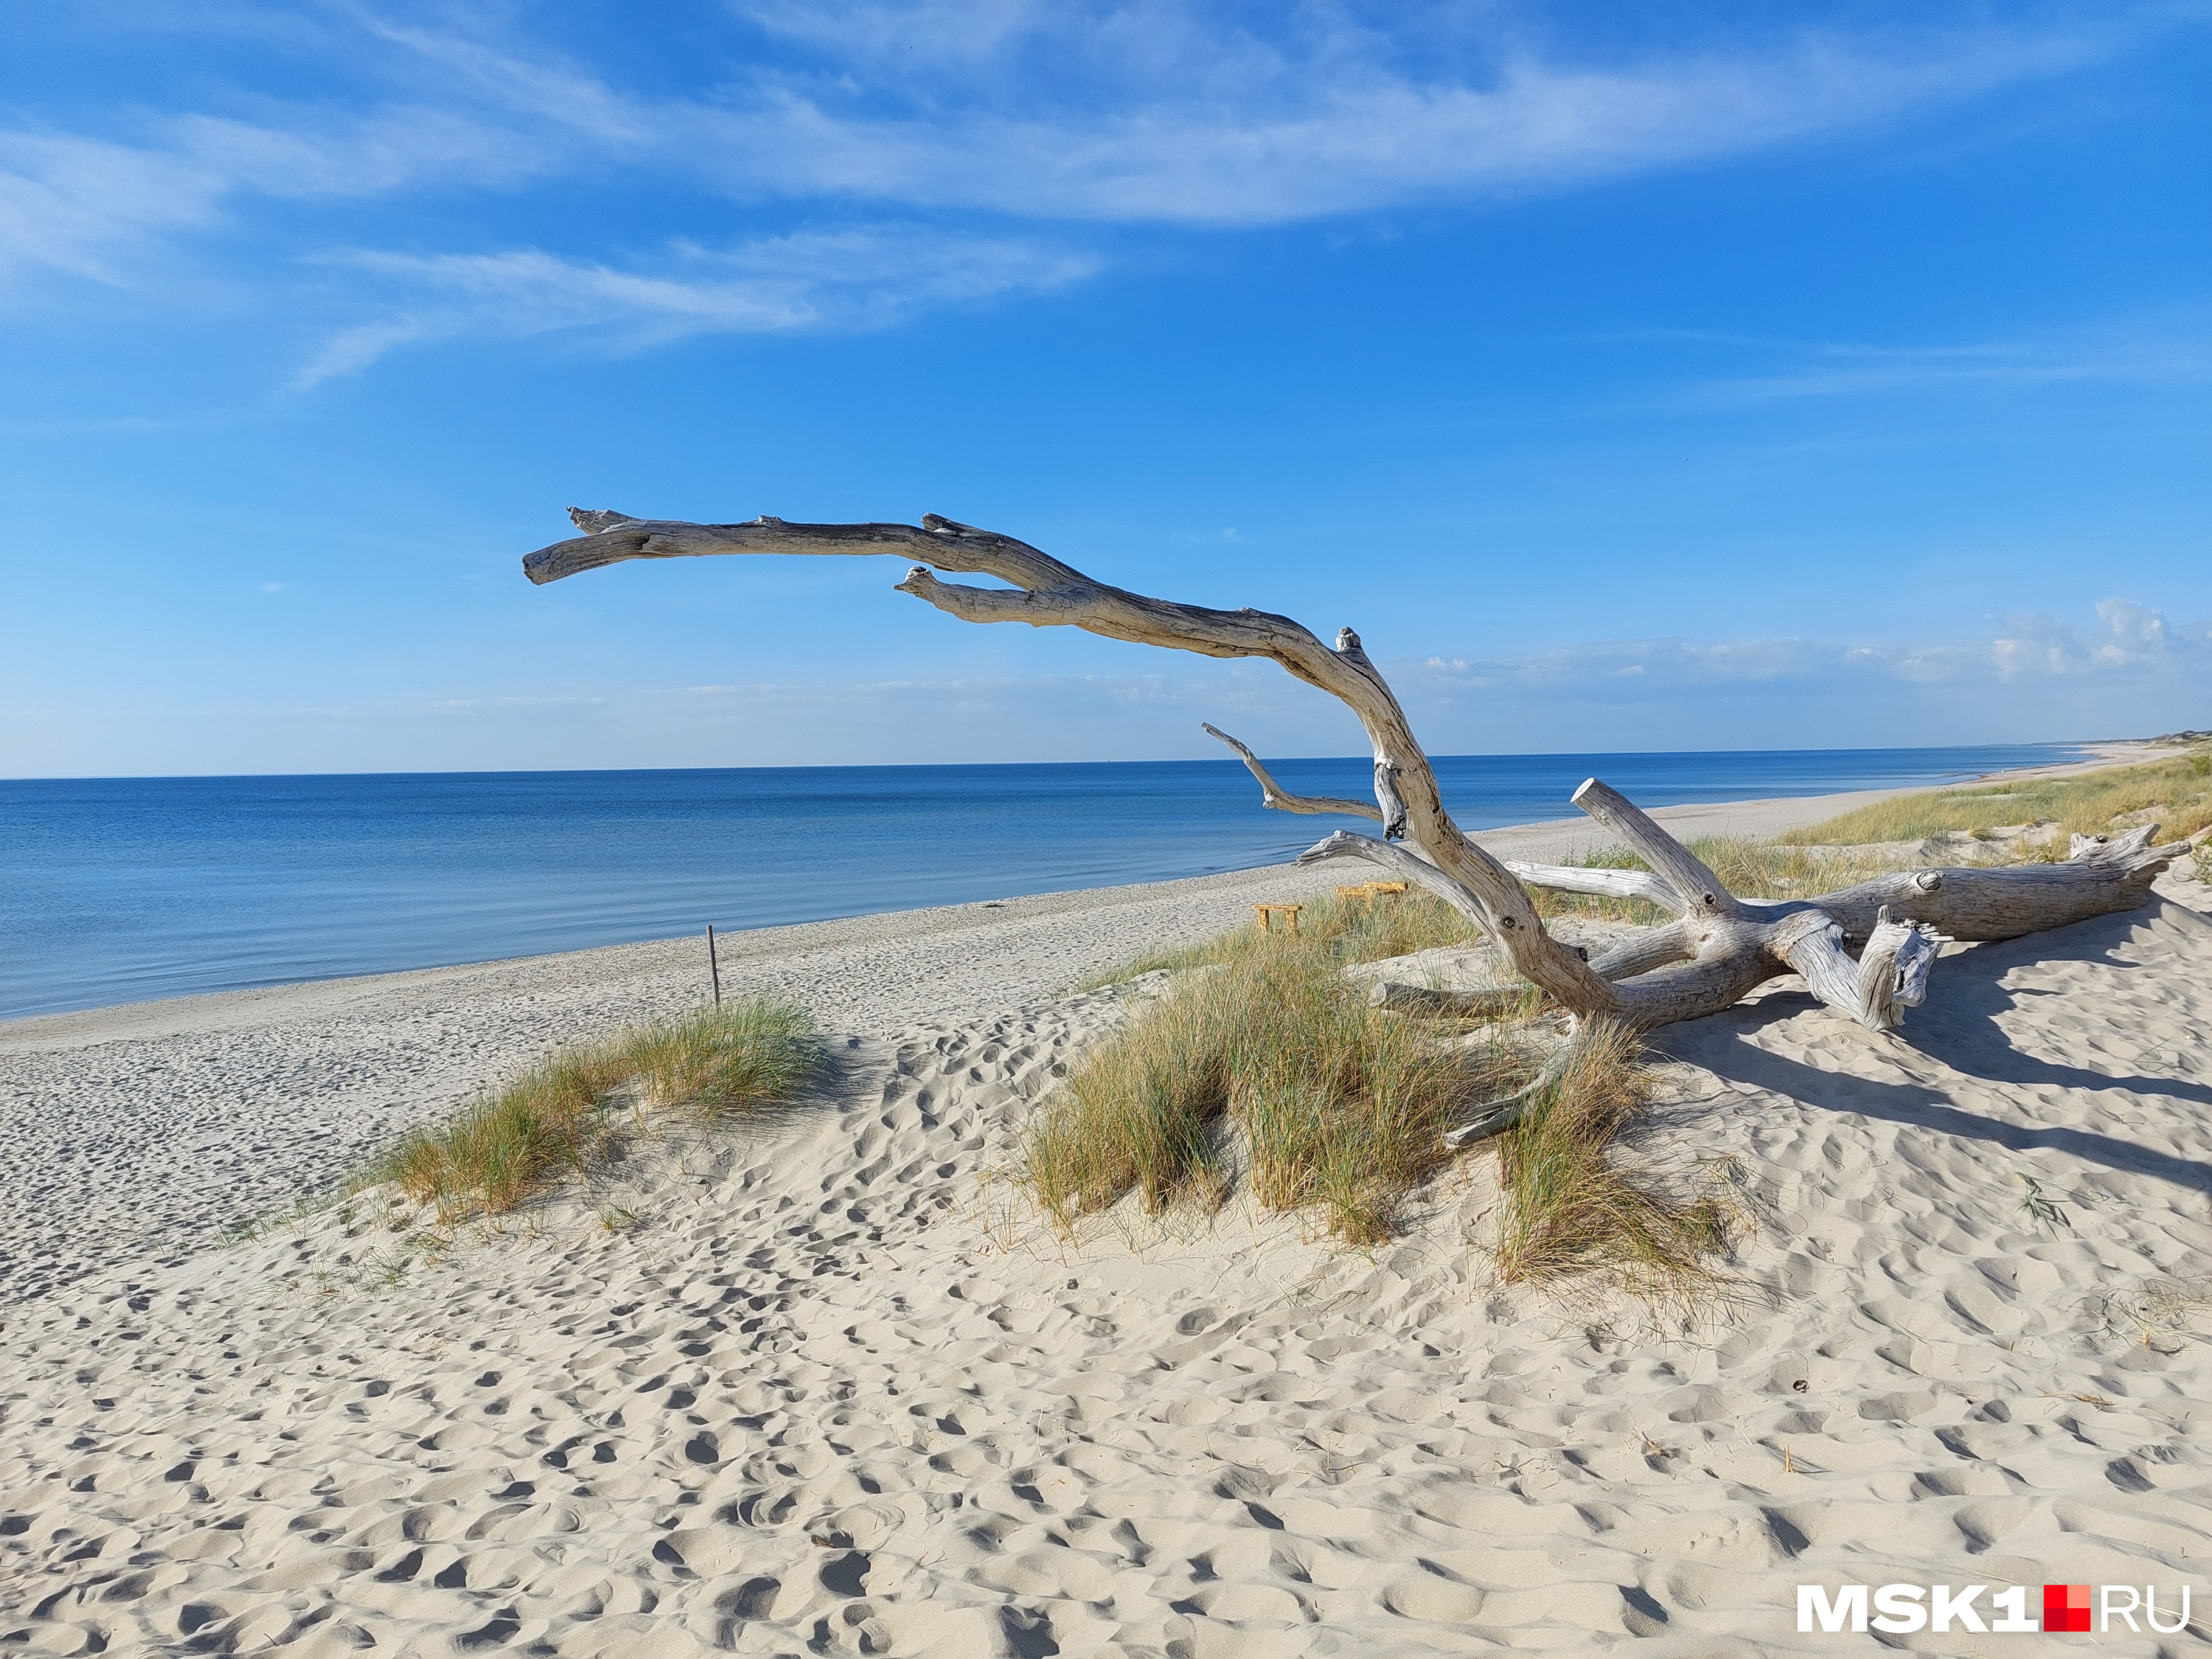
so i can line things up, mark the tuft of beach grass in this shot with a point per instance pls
(2176, 793)
(554, 1120)
(1570, 1209)
(1342, 1107)
(1354, 930)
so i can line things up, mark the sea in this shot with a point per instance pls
(122, 889)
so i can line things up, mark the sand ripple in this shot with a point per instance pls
(838, 1392)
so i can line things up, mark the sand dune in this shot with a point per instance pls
(837, 1390)
(136, 1134)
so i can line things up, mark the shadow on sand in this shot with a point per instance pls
(1958, 1028)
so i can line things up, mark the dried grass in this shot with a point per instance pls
(1341, 1106)
(1355, 930)
(551, 1123)
(2178, 793)
(1569, 1209)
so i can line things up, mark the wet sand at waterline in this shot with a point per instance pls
(840, 1389)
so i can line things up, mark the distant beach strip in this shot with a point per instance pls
(130, 890)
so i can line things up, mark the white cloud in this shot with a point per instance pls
(2135, 642)
(844, 279)
(1129, 113)
(78, 206)
(1265, 137)
(2168, 348)
(1155, 112)
(107, 211)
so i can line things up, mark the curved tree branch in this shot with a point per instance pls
(1564, 878)
(1689, 888)
(1273, 794)
(1721, 948)
(1044, 592)
(1405, 866)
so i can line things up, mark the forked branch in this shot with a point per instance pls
(1719, 948)
(1273, 794)
(1044, 592)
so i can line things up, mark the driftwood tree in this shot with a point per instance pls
(1866, 952)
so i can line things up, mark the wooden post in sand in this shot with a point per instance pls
(713, 967)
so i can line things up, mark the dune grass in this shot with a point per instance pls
(1354, 930)
(1341, 1105)
(554, 1120)
(1339, 1108)
(1569, 1209)
(2176, 793)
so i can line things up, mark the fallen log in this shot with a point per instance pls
(1718, 949)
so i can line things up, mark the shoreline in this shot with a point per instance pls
(832, 1371)
(141, 1131)
(1540, 841)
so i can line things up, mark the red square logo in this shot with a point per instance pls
(2065, 1607)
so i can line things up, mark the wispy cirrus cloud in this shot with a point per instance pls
(1259, 133)
(2132, 642)
(2165, 347)
(78, 206)
(1057, 120)
(845, 280)
(112, 212)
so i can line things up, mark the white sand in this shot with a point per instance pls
(137, 1133)
(838, 1391)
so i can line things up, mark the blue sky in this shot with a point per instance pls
(1733, 376)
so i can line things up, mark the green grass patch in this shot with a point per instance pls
(2177, 793)
(1343, 1107)
(553, 1121)
(1571, 1210)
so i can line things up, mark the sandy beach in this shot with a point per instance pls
(970, 831)
(839, 1390)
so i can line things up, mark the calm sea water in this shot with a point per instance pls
(118, 889)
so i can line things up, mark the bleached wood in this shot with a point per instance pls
(1045, 592)
(1911, 960)
(1608, 884)
(1398, 998)
(1571, 879)
(1273, 794)
(1690, 886)
(2121, 849)
(1985, 904)
(1655, 947)
(1974, 903)
(1720, 949)
(1506, 1113)
(1404, 864)
(1890, 975)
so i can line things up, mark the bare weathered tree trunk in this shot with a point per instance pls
(1718, 949)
